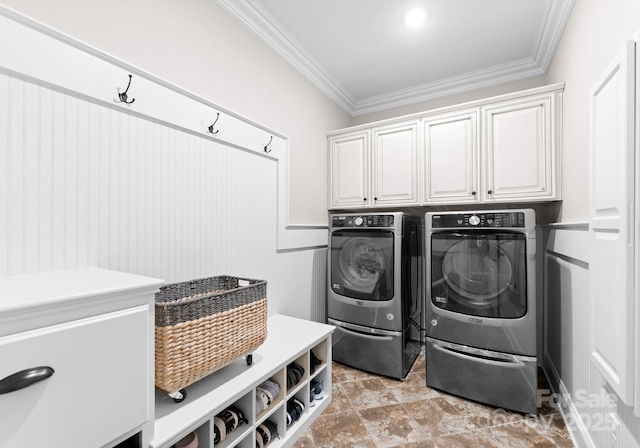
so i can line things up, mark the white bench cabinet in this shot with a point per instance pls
(92, 327)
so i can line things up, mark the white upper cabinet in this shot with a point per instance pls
(519, 150)
(395, 165)
(499, 150)
(377, 167)
(451, 156)
(349, 157)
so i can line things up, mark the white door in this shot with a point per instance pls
(395, 166)
(611, 222)
(349, 170)
(450, 153)
(519, 149)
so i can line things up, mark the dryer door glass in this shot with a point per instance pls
(480, 274)
(362, 264)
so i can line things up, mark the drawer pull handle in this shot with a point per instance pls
(25, 378)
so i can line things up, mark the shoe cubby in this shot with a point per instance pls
(318, 358)
(237, 385)
(202, 433)
(247, 441)
(267, 434)
(317, 388)
(272, 402)
(296, 408)
(233, 423)
(297, 374)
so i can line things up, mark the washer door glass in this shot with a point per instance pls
(480, 274)
(362, 264)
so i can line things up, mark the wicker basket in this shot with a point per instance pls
(203, 325)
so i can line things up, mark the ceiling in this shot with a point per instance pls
(360, 53)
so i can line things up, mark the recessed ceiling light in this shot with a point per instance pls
(415, 17)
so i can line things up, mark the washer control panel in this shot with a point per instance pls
(494, 220)
(362, 221)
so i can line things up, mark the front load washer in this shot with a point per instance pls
(373, 294)
(480, 307)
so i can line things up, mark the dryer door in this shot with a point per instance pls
(480, 274)
(362, 264)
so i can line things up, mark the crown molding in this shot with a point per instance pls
(479, 79)
(257, 20)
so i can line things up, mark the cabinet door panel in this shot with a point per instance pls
(100, 364)
(519, 150)
(396, 165)
(451, 158)
(349, 170)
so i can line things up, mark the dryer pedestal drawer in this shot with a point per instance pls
(498, 379)
(98, 388)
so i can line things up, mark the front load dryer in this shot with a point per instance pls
(481, 307)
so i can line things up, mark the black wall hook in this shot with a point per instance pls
(211, 131)
(123, 96)
(266, 147)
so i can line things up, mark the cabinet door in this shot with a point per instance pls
(450, 152)
(349, 170)
(519, 149)
(395, 165)
(99, 389)
(611, 202)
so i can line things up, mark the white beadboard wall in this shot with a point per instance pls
(569, 322)
(84, 184)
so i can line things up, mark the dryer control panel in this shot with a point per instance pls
(493, 220)
(362, 221)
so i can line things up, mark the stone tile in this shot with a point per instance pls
(419, 367)
(552, 426)
(305, 441)
(344, 430)
(339, 401)
(370, 411)
(516, 435)
(391, 425)
(413, 388)
(421, 444)
(368, 393)
(482, 415)
(437, 417)
(391, 382)
(473, 439)
(342, 373)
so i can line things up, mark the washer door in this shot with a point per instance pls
(362, 264)
(480, 274)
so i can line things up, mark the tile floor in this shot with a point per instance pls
(369, 411)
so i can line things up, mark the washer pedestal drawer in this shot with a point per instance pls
(388, 353)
